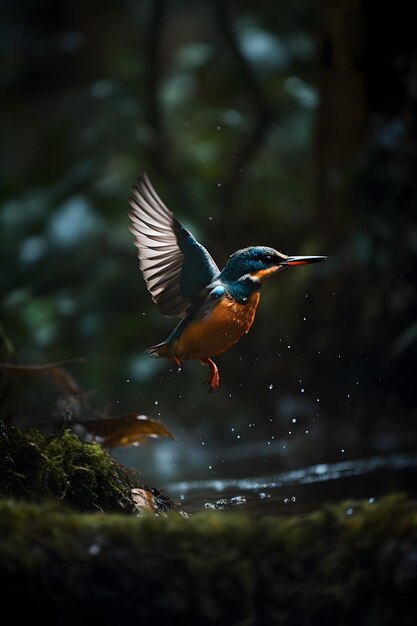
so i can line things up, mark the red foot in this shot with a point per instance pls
(214, 379)
(177, 362)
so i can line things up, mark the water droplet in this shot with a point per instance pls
(289, 347)
(237, 436)
(210, 218)
(293, 499)
(94, 549)
(127, 380)
(286, 500)
(342, 450)
(271, 386)
(371, 500)
(294, 420)
(317, 399)
(349, 511)
(156, 402)
(306, 432)
(209, 505)
(302, 390)
(219, 184)
(236, 500)
(210, 467)
(218, 127)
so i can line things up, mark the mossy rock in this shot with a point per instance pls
(323, 568)
(82, 475)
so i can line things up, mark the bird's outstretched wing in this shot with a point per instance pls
(174, 265)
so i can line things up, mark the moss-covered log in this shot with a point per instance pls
(348, 564)
(82, 475)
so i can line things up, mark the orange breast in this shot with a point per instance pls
(227, 322)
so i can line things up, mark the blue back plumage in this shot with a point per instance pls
(198, 268)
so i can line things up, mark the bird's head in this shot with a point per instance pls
(258, 263)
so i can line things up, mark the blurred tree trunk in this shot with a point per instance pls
(366, 160)
(367, 75)
(343, 106)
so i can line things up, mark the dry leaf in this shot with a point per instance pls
(127, 430)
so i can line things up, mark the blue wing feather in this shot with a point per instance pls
(174, 265)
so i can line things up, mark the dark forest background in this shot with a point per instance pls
(290, 124)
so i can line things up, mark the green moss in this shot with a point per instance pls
(83, 475)
(323, 568)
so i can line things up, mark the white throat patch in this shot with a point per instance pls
(251, 277)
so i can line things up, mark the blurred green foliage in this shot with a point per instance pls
(270, 124)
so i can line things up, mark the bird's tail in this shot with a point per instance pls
(159, 350)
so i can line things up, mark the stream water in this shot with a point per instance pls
(301, 490)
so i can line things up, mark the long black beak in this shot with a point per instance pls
(303, 260)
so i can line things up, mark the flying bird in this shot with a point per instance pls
(216, 307)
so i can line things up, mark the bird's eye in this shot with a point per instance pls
(267, 258)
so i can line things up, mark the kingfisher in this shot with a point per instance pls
(216, 307)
